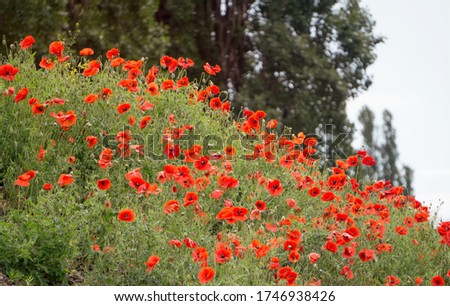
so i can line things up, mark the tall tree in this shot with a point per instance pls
(298, 60)
(40, 18)
(408, 176)
(366, 118)
(389, 150)
(101, 25)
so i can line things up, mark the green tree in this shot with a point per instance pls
(366, 118)
(299, 60)
(127, 25)
(389, 150)
(408, 177)
(40, 18)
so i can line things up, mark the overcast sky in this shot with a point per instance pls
(411, 78)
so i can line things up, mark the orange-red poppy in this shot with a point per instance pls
(91, 140)
(366, 255)
(91, 98)
(65, 180)
(21, 95)
(274, 187)
(8, 72)
(27, 42)
(46, 63)
(126, 215)
(437, 281)
(144, 121)
(205, 275)
(212, 70)
(104, 184)
(124, 107)
(171, 206)
(86, 52)
(151, 262)
(313, 257)
(24, 179)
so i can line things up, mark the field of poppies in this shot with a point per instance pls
(123, 172)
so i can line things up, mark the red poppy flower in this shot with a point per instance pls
(167, 84)
(152, 261)
(122, 108)
(215, 103)
(104, 184)
(203, 164)
(86, 52)
(274, 263)
(172, 151)
(41, 154)
(185, 63)
(190, 198)
(92, 69)
(313, 257)
(91, 98)
(112, 53)
(366, 255)
(189, 243)
(294, 256)
(331, 246)
(223, 253)
(8, 72)
(56, 48)
(47, 186)
(401, 230)
(144, 122)
(368, 161)
(391, 280)
(126, 215)
(168, 62)
(116, 62)
(205, 275)
(22, 94)
(65, 180)
(171, 206)
(437, 281)
(91, 140)
(352, 161)
(65, 120)
(211, 70)
(260, 205)
(228, 182)
(37, 109)
(46, 63)
(27, 42)
(349, 252)
(274, 187)
(327, 196)
(175, 242)
(183, 82)
(347, 272)
(314, 192)
(24, 179)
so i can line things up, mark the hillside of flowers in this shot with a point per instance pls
(124, 172)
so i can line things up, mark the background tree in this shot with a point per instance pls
(298, 60)
(389, 150)
(366, 118)
(128, 25)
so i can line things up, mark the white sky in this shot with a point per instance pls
(411, 78)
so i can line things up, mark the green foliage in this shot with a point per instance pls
(36, 246)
